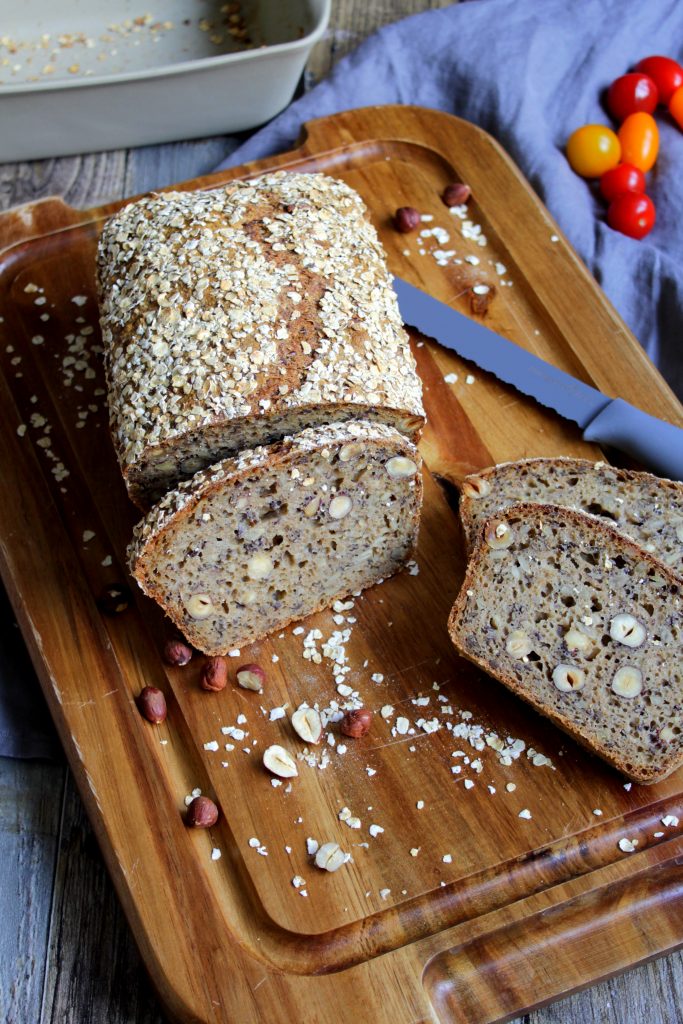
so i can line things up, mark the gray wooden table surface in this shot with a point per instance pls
(67, 955)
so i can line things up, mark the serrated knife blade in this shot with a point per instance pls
(658, 445)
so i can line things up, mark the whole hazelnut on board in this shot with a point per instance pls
(456, 194)
(114, 599)
(201, 813)
(356, 723)
(406, 219)
(214, 675)
(177, 653)
(152, 705)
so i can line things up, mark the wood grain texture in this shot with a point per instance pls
(648, 993)
(346, 923)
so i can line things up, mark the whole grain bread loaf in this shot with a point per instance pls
(644, 507)
(584, 625)
(280, 532)
(238, 316)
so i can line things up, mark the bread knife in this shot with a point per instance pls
(606, 421)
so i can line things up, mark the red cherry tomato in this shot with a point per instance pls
(676, 106)
(639, 138)
(667, 74)
(623, 178)
(630, 93)
(632, 214)
(592, 150)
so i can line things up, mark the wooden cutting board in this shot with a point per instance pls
(461, 909)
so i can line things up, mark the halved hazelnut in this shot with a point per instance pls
(259, 566)
(475, 487)
(311, 507)
(330, 857)
(199, 606)
(628, 681)
(626, 629)
(280, 762)
(518, 644)
(576, 640)
(307, 724)
(667, 734)
(498, 535)
(400, 466)
(251, 677)
(569, 678)
(340, 506)
(349, 451)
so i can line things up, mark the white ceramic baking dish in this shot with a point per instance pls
(79, 76)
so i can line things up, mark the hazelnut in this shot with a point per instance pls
(498, 535)
(251, 677)
(475, 487)
(311, 507)
(667, 734)
(627, 681)
(576, 640)
(307, 724)
(214, 675)
(340, 506)
(280, 762)
(201, 813)
(114, 599)
(406, 219)
(199, 606)
(330, 857)
(356, 723)
(152, 704)
(626, 629)
(259, 566)
(569, 678)
(518, 644)
(349, 451)
(456, 194)
(177, 653)
(401, 466)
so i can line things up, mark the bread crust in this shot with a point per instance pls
(612, 539)
(229, 311)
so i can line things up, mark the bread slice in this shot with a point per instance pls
(644, 507)
(584, 625)
(237, 316)
(279, 532)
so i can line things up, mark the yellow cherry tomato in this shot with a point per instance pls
(592, 150)
(639, 137)
(676, 106)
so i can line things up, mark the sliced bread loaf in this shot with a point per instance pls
(279, 532)
(645, 507)
(585, 626)
(238, 316)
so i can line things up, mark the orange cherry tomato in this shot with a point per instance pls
(676, 106)
(639, 138)
(593, 149)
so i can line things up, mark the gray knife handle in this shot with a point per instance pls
(654, 443)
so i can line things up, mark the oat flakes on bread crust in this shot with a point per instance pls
(280, 532)
(537, 611)
(234, 317)
(647, 508)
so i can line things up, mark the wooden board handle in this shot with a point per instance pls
(526, 965)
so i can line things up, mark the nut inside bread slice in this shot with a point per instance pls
(280, 532)
(644, 507)
(583, 624)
